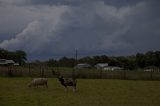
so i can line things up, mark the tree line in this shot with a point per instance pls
(18, 56)
(140, 60)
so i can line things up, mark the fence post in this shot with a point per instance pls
(124, 74)
(21, 73)
(151, 74)
(42, 72)
(29, 70)
(101, 74)
(10, 73)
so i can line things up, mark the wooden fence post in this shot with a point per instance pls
(29, 70)
(42, 72)
(101, 73)
(10, 73)
(124, 75)
(151, 74)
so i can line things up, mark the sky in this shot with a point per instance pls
(55, 28)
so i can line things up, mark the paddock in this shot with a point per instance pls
(90, 92)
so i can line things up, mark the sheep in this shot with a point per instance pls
(65, 82)
(38, 82)
(68, 82)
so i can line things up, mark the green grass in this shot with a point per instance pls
(90, 92)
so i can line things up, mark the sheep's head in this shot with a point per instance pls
(60, 78)
(55, 73)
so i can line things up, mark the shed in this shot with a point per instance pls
(83, 65)
(101, 65)
(112, 68)
(6, 62)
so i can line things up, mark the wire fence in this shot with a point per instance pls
(44, 71)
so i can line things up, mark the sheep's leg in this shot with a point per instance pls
(74, 88)
(65, 88)
(46, 85)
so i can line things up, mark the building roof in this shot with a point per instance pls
(83, 65)
(101, 65)
(112, 68)
(5, 62)
(10, 61)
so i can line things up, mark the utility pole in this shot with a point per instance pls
(75, 63)
(76, 55)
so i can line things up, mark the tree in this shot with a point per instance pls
(66, 62)
(140, 60)
(3, 53)
(52, 63)
(18, 56)
(157, 60)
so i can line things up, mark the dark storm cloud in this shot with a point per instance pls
(58, 27)
(117, 3)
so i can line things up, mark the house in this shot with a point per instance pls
(150, 68)
(16, 64)
(83, 65)
(3, 62)
(101, 65)
(6, 62)
(112, 68)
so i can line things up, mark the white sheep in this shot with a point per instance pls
(38, 82)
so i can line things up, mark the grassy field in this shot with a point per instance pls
(90, 92)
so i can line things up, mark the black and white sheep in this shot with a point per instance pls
(65, 81)
(38, 82)
(68, 82)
